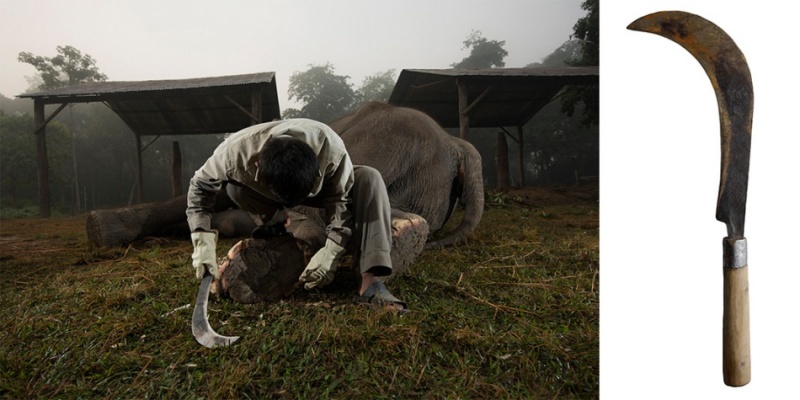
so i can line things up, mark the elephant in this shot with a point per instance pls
(426, 170)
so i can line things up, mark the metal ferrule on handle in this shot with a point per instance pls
(734, 253)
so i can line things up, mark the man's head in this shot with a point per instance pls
(288, 167)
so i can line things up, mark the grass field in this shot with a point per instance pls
(513, 313)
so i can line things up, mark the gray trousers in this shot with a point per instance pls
(369, 207)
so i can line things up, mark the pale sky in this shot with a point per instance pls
(158, 39)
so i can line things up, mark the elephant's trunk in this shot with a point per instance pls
(471, 181)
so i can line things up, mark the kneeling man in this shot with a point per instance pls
(270, 167)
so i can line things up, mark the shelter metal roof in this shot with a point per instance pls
(506, 96)
(179, 107)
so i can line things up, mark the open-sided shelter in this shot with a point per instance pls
(497, 97)
(212, 105)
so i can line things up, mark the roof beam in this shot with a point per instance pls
(164, 111)
(239, 106)
(47, 120)
(478, 100)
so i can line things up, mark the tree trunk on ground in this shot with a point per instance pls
(121, 226)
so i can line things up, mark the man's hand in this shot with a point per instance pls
(320, 270)
(204, 256)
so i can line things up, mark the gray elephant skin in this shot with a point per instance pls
(426, 170)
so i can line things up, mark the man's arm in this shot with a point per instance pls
(335, 189)
(203, 188)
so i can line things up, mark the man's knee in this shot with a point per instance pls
(368, 176)
(236, 194)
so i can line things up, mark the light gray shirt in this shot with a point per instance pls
(235, 159)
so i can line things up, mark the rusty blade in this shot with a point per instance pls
(727, 69)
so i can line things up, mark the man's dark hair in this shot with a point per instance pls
(289, 168)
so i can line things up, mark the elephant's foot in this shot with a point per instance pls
(409, 234)
(258, 270)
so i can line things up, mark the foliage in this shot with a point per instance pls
(326, 95)
(513, 313)
(484, 53)
(15, 105)
(18, 168)
(16, 160)
(375, 87)
(69, 67)
(587, 29)
(561, 56)
(561, 146)
(555, 146)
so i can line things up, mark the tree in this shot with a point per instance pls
(69, 67)
(18, 163)
(484, 53)
(561, 57)
(375, 87)
(18, 155)
(587, 30)
(326, 95)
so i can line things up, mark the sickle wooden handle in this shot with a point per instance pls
(736, 327)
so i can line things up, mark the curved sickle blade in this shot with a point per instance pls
(201, 330)
(727, 68)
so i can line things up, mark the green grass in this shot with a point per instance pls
(513, 313)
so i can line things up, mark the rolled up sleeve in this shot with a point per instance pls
(335, 197)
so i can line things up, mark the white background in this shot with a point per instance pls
(661, 246)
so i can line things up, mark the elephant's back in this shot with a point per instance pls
(393, 128)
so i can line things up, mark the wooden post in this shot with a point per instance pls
(463, 115)
(77, 208)
(256, 108)
(521, 157)
(139, 174)
(177, 186)
(43, 178)
(502, 160)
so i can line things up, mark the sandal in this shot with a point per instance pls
(378, 295)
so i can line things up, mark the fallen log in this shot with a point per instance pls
(121, 226)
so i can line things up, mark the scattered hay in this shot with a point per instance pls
(512, 313)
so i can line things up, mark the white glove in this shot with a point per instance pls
(204, 256)
(320, 270)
